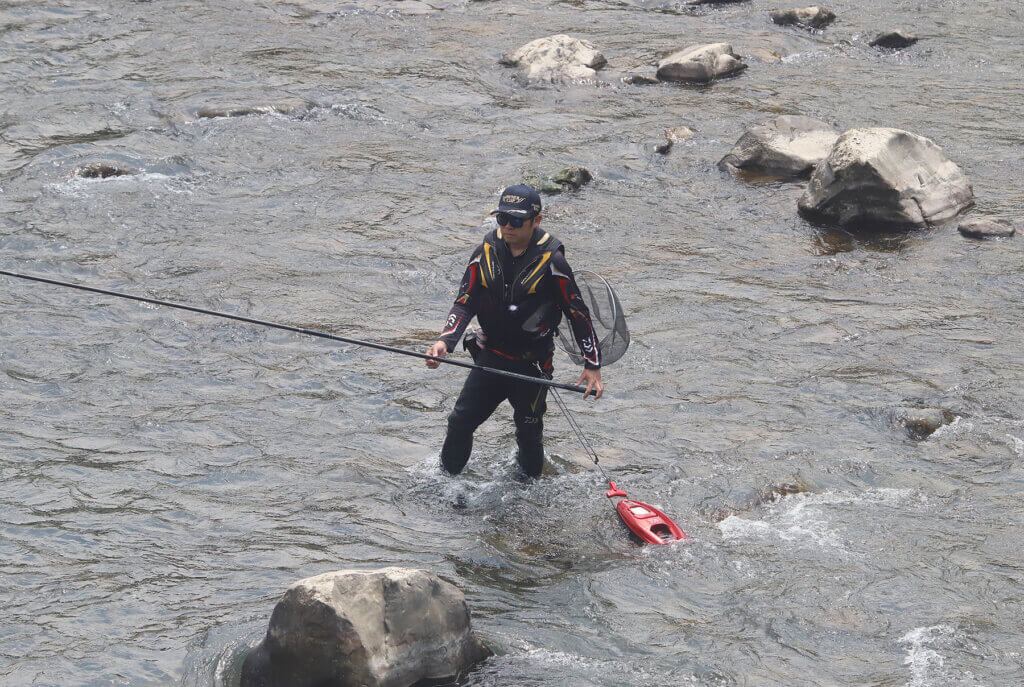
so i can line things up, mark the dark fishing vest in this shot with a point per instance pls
(520, 316)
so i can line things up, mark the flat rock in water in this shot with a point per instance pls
(921, 423)
(766, 55)
(711, 2)
(701, 64)
(986, 229)
(809, 17)
(645, 76)
(557, 59)
(885, 178)
(392, 627)
(787, 146)
(894, 40)
(285, 107)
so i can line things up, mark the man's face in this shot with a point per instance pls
(517, 234)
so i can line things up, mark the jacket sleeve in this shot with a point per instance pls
(466, 302)
(575, 309)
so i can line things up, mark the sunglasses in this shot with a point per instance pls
(507, 220)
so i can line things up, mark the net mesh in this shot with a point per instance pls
(606, 313)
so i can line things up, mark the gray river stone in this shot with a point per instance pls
(878, 177)
(283, 107)
(700, 64)
(711, 2)
(787, 146)
(894, 40)
(921, 423)
(814, 17)
(672, 136)
(986, 228)
(391, 627)
(556, 59)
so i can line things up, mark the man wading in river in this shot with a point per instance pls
(518, 284)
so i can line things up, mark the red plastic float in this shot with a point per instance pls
(645, 521)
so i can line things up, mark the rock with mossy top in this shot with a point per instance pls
(571, 178)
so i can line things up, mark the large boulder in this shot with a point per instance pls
(556, 59)
(885, 178)
(700, 64)
(788, 146)
(354, 628)
(808, 17)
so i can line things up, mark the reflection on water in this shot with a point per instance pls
(328, 165)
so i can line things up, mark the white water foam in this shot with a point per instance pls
(80, 187)
(927, 666)
(1018, 445)
(958, 427)
(806, 518)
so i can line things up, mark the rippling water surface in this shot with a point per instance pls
(165, 476)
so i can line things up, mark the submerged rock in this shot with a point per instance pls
(645, 76)
(672, 136)
(700, 64)
(556, 59)
(386, 628)
(894, 40)
(788, 146)
(288, 107)
(765, 55)
(737, 500)
(885, 178)
(102, 170)
(711, 2)
(921, 423)
(986, 229)
(809, 17)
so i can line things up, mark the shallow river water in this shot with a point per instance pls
(166, 475)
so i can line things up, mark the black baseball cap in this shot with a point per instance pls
(520, 200)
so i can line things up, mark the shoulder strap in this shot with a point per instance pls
(491, 262)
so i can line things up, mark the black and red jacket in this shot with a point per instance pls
(519, 302)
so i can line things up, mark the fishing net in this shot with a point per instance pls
(606, 313)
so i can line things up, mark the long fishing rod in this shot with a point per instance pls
(297, 330)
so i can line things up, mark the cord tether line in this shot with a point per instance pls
(297, 330)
